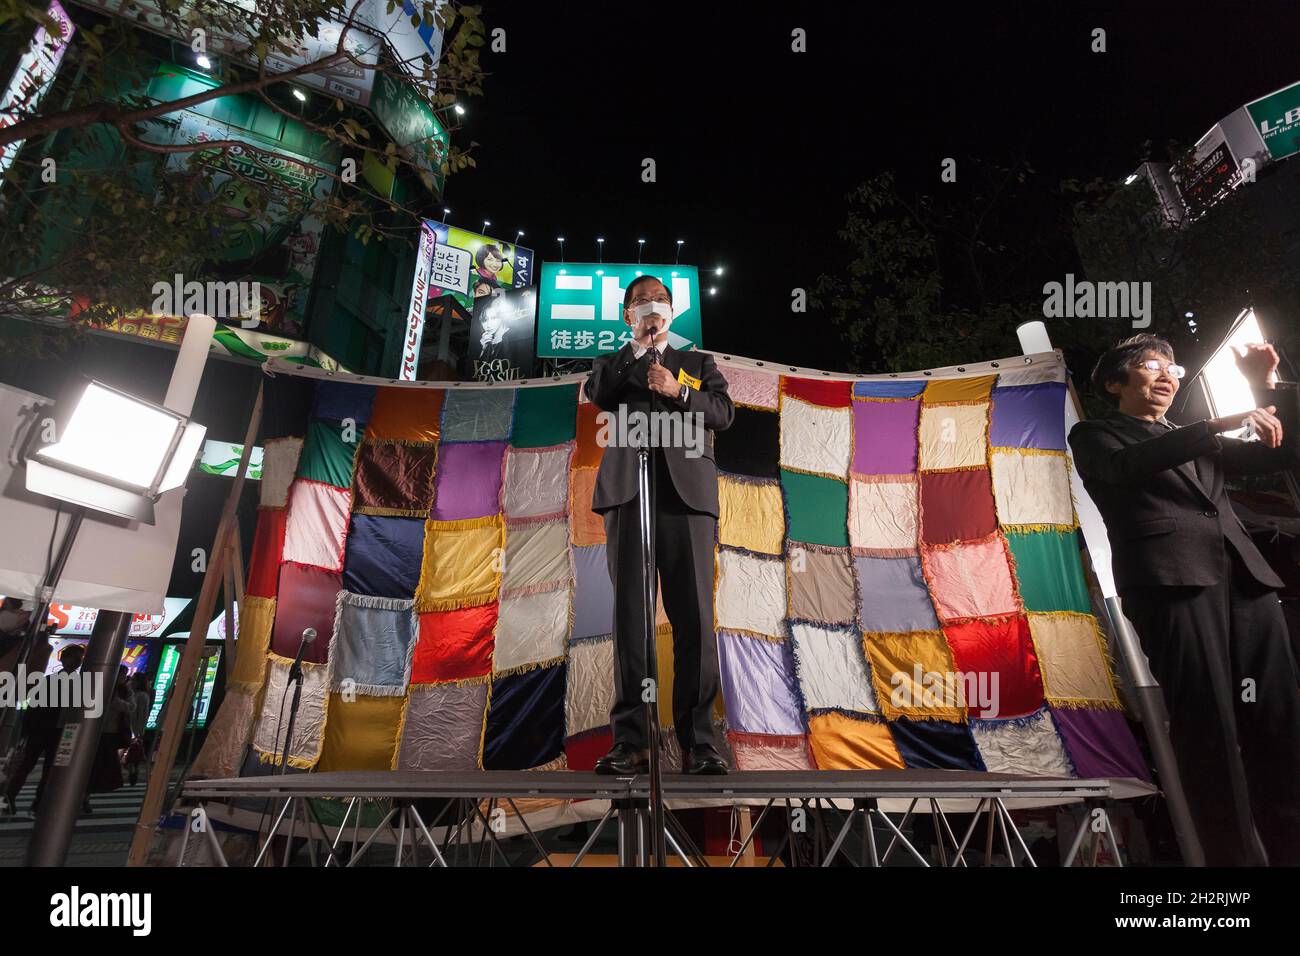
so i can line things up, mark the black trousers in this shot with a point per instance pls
(39, 746)
(1223, 658)
(683, 541)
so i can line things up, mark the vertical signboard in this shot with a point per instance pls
(581, 307)
(415, 308)
(34, 76)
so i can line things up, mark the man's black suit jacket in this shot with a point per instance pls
(1161, 494)
(620, 379)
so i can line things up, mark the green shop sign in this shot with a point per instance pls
(407, 117)
(581, 307)
(1277, 117)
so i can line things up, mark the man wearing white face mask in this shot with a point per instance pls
(649, 375)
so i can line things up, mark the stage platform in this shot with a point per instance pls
(488, 806)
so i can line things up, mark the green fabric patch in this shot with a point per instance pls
(545, 416)
(1050, 571)
(817, 509)
(326, 457)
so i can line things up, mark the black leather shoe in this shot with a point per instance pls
(704, 761)
(624, 760)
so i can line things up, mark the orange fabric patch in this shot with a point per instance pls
(843, 743)
(588, 453)
(587, 527)
(406, 414)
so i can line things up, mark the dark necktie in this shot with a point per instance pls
(653, 352)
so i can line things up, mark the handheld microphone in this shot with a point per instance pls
(308, 636)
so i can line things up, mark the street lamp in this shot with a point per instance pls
(679, 251)
(600, 249)
(560, 240)
(446, 214)
(518, 235)
(640, 244)
(486, 223)
(460, 110)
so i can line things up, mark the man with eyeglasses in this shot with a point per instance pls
(649, 375)
(1201, 597)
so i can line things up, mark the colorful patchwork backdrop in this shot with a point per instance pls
(873, 530)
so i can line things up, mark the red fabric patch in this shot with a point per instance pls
(268, 546)
(1000, 646)
(454, 645)
(819, 392)
(957, 506)
(307, 598)
(581, 753)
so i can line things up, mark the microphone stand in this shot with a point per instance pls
(295, 678)
(646, 491)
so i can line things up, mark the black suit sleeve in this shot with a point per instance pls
(1252, 457)
(1103, 455)
(607, 378)
(711, 398)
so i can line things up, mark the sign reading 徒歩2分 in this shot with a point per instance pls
(580, 314)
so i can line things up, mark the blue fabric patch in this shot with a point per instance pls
(1028, 416)
(892, 596)
(372, 645)
(383, 556)
(593, 596)
(339, 400)
(525, 720)
(935, 745)
(888, 389)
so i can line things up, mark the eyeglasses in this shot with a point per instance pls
(1175, 371)
(642, 300)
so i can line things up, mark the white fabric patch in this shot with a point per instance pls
(953, 436)
(590, 693)
(536, 482)
(309, 724)
(816, 439)
(751, 593)
(531, 628)
(1032, 489)
(223, 750)
(536, 554)
(832, 669)
(883, 515)
(316, 525)
(1030, 747)
(1033, 374)
(279, 465)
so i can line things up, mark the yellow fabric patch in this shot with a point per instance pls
(842, 743)
(750, 515)
(461, 563)
(361, 734)
(256, 615)
(690, 380)
(953, 436)
(1072, 658)
(977, 389)
(895, 659)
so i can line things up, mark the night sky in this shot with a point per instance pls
(756, 146)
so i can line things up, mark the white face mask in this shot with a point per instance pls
(662, 309)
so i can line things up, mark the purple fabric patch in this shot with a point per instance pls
(467, 480)
(884, 437)
(1099, 743)
(892, 596)
(1028, 416)
(759, 685)
(593, 596)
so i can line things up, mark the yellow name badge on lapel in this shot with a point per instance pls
(684, 379)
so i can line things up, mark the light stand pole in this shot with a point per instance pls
(9, 716)
(66, 788)
(649, 589)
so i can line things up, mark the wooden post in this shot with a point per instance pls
(178, 706)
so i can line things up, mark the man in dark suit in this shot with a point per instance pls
(1200, 596)
(684, 388)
